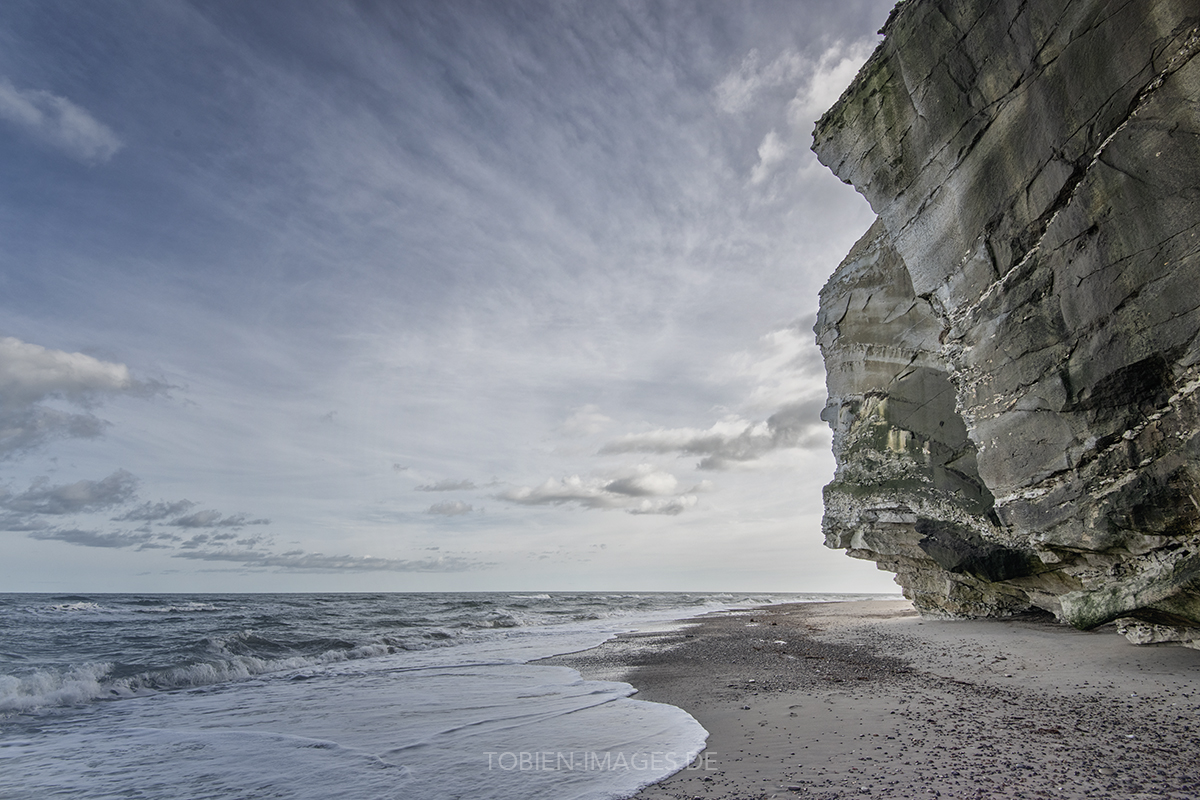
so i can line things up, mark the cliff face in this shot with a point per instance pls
(1012, 349)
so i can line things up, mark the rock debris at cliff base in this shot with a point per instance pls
(1013, 349)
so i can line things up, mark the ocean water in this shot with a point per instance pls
(355, 696)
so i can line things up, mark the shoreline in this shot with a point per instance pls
(866, 699)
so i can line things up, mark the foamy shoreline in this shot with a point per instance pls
(865, 699)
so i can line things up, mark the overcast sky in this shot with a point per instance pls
(419, 294)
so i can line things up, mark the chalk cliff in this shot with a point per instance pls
(1012, 349)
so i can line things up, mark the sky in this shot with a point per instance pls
(419, 295)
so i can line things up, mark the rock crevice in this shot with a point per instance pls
(1013, 348)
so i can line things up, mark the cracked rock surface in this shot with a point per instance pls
(1012, 349)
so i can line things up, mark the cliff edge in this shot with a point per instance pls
(1013, 348)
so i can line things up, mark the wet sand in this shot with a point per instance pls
(866, 699)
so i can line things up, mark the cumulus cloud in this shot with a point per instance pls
(451, 509)
(447, 485)
(638, 491)
(31, 374)
(73, 498)
(58, 123)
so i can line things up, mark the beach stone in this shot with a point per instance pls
(1013, 349)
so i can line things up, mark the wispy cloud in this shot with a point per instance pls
(833, 72)
(215, 519)
(150, 512)
(669, 507)
(770, 153)
(815, 84)
(57, 122)
(217, 536)
(300, 561)
(38, 511)
(738, 90)
(86, 538)
(584, 421)
(492, 242)
(732, 440)
(22, 522)
(446, 485)
(786, 379)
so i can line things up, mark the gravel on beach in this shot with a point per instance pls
(865, 699)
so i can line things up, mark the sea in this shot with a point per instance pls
(334, 696)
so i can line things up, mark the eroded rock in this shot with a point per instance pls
(1012, 350)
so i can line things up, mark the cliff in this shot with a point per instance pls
(1012, 349)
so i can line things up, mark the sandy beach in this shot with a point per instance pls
(866, 699)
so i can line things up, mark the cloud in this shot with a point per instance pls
(299, 560)
(216, 537)
(31, 374)
(650, 483)
(219, 539)
(771, 152)
(33, 510)
(214, 519)
(73, 498)
(834, 71)
(97, 538)
(57, 122)
(670, 506)
(816, 84)
(631, 491)
(585, 421)
(589, 494)
(21, 522)
(737, 91)
(27, 429)
(788, 376)
(786, 368)
(451, 509)
(151, 512)
(730, 441)
(446, 485)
